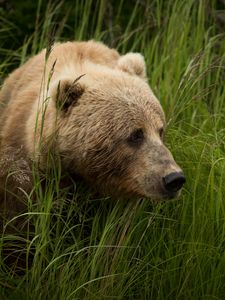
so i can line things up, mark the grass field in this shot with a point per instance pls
(87, 248)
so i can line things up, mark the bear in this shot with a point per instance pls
(93, 109)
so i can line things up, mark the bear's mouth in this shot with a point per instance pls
(161, 194)
(164, 188)
(171, 195)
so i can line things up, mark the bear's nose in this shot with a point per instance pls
(174, 181)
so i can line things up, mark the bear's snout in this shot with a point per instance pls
(173, 182)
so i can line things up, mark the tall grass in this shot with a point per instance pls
(87, 248)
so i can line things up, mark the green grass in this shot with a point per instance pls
(87, 248)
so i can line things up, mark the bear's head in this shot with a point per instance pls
(110, 129)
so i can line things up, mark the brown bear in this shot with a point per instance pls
(94, 109)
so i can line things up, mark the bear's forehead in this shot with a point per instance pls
(125, 100)
(134, 115)
(145, 108)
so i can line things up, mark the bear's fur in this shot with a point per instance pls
(94, 109)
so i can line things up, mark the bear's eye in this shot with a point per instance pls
(161, 133)
(136, 138)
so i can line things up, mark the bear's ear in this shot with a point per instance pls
(133, 63)
(67, 93)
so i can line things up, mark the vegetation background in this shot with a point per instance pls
(87, 248)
